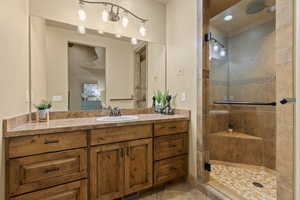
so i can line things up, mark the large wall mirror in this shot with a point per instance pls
(92, 71)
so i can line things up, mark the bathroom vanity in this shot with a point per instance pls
(82, 158)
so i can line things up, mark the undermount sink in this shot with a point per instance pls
(117, 118)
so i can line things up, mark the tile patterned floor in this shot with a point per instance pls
(240, 178)
(181, 191)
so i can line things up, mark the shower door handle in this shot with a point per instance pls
(288, 100)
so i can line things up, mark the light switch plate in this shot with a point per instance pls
(57, 98)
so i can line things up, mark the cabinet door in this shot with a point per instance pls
(107, 172)
(138, 165)
(70, 191)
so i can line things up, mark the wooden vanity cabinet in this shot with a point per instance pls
(96, 164)
(120, 169)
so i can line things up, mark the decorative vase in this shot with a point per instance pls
(230, 130)
(43, 115)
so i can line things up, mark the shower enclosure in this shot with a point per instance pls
(242, 100)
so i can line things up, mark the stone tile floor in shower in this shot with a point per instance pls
(240, 178)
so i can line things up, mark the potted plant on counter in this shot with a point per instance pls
(43, 110)
(230, 128)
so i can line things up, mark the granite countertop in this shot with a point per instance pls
(77, 124)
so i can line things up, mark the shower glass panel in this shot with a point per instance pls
(241, 138)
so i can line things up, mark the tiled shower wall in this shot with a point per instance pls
(251, 77)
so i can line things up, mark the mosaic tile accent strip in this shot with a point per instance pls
(240, 179)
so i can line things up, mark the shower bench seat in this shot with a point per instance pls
(236, 147)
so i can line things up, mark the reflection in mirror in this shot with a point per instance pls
(92, 71)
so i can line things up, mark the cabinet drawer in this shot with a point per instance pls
(169, 146)
(170, 169)
(70, 191)
(30, 145)
(38, 172)
(119, 134)
(168, 128)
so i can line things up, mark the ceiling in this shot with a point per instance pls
(241, 20)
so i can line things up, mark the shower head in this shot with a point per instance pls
(255, 6)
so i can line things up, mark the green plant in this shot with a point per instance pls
(43, 105)
(161, 97)
(231, 126)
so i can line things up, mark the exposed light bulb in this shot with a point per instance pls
(228, 17)
(118, 35)
(223, 52)
(134, 41)
(82, 14)
(100, 31)
(105, 15)
(125, 21)
(216, 47)
(81, 29)
(143, 30)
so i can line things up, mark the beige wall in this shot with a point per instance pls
(119, 66)
(297, 139)
(182, 62)
(66, 11)
(13, 65)
(38, 64)
(156, 69)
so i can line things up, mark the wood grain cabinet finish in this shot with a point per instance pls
(169, 169)
(31, 145)
(107, 172)
(37, 172)
(138, 165)
(71, 191)
(120, 169)
(115, 161)
(169, 128)
(170, 146)
(120, 134)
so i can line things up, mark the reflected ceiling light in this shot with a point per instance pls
(81, 29)
(118, 35)
(134, 41)
(228, 17)
(223, 52)
(100, 31)
(143, 30)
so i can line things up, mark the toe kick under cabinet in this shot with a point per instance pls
(96, 164)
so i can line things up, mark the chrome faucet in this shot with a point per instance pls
(115, 112)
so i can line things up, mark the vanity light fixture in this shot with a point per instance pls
(125, 20)
(81, 13)
(216, 47)
(113, 13)
(228, 17)
(105, 15)
(223, 52)
(143, 30)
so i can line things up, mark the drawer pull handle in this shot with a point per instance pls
(51, 142)
(173, 127)
(51, 170)
(173, 168)
(100, 138)
(172, 145)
